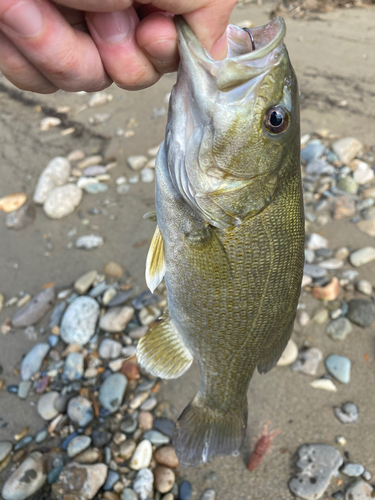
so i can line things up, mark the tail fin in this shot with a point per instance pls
(202, 432)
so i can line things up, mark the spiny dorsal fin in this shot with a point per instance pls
(162, 352)
(155, 264)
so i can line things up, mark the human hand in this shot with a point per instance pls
(87, 44)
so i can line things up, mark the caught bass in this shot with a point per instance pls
(230, 233)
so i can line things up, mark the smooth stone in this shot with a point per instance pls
(367, 227)
(109, 349)
(113, 270)
(289, 355)
(138, 332)
(343, 206)
(73, 368)
(79, 481)
(84, 282)
(185, 490)
(364, 287)
(347, 413)
(324, 383)
(5, 449)
(366, 475)
(308, 361)
(89, 161)
(111, 392)
(100, 437)
(95, 188)
(312, 151)
(129, 424)
(46, 405)
(316, 241)
(314, 271)
(319, 167)
(53, 340)
(24, 389)
(62, 201)
(339, 367)
(128, 494)
(41, 436)
(339, 328)
(78, 445)
(120, 298)
(54, 474)
(99, 289)
(32, 312)
(148, 315)
(23, 442)
(79, 321)
(57, 314)
(147, 174)
(127, 449)
(137, 162)
(143, 484)
(108, 295)
(27, 479)
(12, 202)
(348, 185)
(164, 478)
(309, 256)
(361, 312)
(111, 480)
(55, 174)
(80, 410)
(33, 360)
(328, 292)
(165, 426)
(318, 463)
(149, 404)
(209, 494)
(89, 242)
(94, 170)
(362, 256)
(352, 470)
(142, 455)
(347, 149)
(144, 299)
(360, 490)
(89, 456)
(363, 175)
(21, 218)
(116, 319)
(166, 455)
(156, 437)
(331, 264)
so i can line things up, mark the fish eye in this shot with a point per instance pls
(276, 120)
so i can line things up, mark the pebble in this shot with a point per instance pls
(94, 170)
(167, 456)
(164, 478)
(367, 226)
(185, 490)
(41, 436)
(78, 445)
(312, 151)
(209, 494)
(120, 298)
(352, 470)
(137, 162)
(46, 405)
(361, 312)
(116, 318)
(147, 174)
(148, 315)
(62, 201)
(84, 282)
(73, 368)
(111, 480)
(33, 360)
(89, 242)
(5, 449)
(89, 456)
(339, 328)
(127, 449)
(143, 484)
(89, 161)
(128, 494)
(79, 321)
(95, 188)
(360, 490)
(145, 420)
(363, 174)
(80, 410)
(324, 383)
(364, 287)
(79, 481)
(347, 414)
(100, 437)
(362, 256)
(138, 332)
(27, 479)
(142, 455)
(12, 202)
(366, 475)
(339, 367)
(32, 312)
(343, 206)
(329, 292)
(156, 437)
(316, 241)
(347, 149)
(111, 393)
(318, 463)
(149, 404)
(332, 264)
(319, 167)
(289, 355)
(109, 295)
(113, 270)
(109, 349)
(21, 218)
(314, 271)
(348, 184)
(308, 361)
(55, 174)
(24, 389)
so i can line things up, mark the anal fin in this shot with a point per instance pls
(155, 264)
(271, 356)
(162, 352)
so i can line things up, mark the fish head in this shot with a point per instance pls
(233, 128)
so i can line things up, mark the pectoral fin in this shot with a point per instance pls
(155, 265)
(271, 356)
(162, 352)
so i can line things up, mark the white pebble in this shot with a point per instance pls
(142, 456)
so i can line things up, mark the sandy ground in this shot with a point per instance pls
(334, 58)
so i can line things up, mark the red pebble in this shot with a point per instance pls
(130, 370)
(42, 384)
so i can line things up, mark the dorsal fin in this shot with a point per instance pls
(155, 264)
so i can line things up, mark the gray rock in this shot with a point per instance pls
(80, 411)
(314, 271)
(308, 361)
(24, 389)
(128, 494)
(137, 162)
(79, 321)
(127, 449)
(55, 174)
(209, 494)
(84, 282)
(109, 349)
(318, 463)
(73, 368)
(352, 470)
(143, 484)
(32, 312)
(27, 479)
(312, 151)
(366, 475)
(360, 490)
(120, 298)
(77, 445)
(339, 367)
(347, 149)
(316, 241)
(33, 360)
(94, 170)
(156, 437)
(112, 391)
(319, 167)
(21, 218)
(362, 256)
(116, 319)
(364, 287)
(339, 328)
(41, 436)
(361, 312)
(138, 332)
(62, 201)
(89, 242)
(79, 481)
(5, 449)
(112, 478)
(347, 414)
(95, 188)
(46, 405)
(147, 174)
(56, 315)
(148, 314)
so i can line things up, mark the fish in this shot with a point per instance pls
(229, 239)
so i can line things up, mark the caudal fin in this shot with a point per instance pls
(202, 432)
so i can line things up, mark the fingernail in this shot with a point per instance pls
(111, 26)
(163, 51)
(220, 48)
(24, 18)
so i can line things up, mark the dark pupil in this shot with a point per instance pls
(276, 119)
